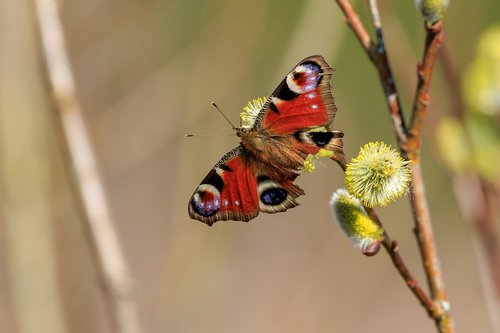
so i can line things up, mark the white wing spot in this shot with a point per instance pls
(276, 100)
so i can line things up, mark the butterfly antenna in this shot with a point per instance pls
(191, 135)
(222, 113)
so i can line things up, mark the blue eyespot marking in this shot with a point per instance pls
(273, 196)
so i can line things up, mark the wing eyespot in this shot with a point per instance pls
(304, 78)
(273, 196)
(206, 200)
(321, 139)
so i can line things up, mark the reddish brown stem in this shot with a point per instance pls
(353, 21)
(378, 56)
(392, 249)
(434, 40)
(412, 150)
(409, 142)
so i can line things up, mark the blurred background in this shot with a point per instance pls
(146, 73)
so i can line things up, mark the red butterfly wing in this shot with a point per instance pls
(234, 190)
(302, 100)
(228, 192)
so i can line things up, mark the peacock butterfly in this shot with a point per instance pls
(278, 140)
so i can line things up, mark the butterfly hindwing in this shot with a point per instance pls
(232, 191)
(277, 195)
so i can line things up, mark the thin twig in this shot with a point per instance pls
(353, 21)
(112, 265)
(377, 23)
(391, 246)
(387, 78)
(433, 42)
(411, 148)
(409, 143)
(392, 249)
(378, 56)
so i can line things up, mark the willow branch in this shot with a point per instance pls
(378, 56)
(411, 148)
(391, 246)
(433, 42)
(111, 262)
(353, 21)
(409, 141)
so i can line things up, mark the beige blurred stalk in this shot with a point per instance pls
(30, 298)
(112, 265)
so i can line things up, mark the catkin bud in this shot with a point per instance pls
(378, 175)
(432, 10)
(355, 223)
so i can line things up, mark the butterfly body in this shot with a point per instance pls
(276, 141)
(262, 150)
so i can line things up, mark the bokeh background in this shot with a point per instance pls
(146, 72)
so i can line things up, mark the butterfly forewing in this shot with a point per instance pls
(228, 192)
(302, 100)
